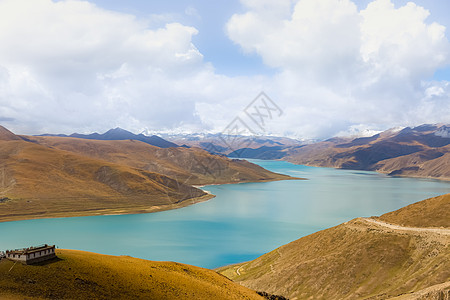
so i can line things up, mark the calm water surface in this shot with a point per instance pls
(241, 223)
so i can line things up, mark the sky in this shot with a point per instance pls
(331, 67)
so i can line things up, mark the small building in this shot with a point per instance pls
(32, 255)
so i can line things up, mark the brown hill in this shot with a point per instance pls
(6, 135)
(39, 182)
(83, 275)
(188, 165)
(433, 163)
(42, 177)
(360, 259)
(421, 152)
(433, 212)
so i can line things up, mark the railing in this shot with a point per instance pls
(29, 248)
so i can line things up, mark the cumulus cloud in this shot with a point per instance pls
(340, 67)
(75, 65)
(72, 66)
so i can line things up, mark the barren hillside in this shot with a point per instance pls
(84, 275)
(360, 259)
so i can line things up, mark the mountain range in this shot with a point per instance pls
(118, 134)
(422, 151)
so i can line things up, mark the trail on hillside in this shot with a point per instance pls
(443, 231)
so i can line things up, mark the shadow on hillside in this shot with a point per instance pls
(48, 262)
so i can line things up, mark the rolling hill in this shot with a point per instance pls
(84, 275)
(422, 151)
(188, 165)
(38, 180)
(404, 253)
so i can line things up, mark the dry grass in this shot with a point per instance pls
(46, 177)
(83, 275)
(355, 260)
(192, 166)
(42, 182)
(433, 212)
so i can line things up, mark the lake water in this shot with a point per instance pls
(241, 223)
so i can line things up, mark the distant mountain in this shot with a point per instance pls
(118, 134)
(235, 145)
(263, 152)
(365, 258)
(422, 151)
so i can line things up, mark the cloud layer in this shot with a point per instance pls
(71, 66)
(348, 67)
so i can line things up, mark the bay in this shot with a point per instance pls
(243, 222)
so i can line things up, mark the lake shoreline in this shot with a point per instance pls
(113, 211)
(131, 210)
(444, 179)
(240, 224)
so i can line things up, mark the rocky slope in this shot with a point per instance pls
(423, 151)
(360, 259)
(84, 275)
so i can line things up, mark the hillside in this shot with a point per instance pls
(423, 151)
(360, 259)
(39, 182)
(433, 212)
(44, 177)
(188, 165)
(84, 275)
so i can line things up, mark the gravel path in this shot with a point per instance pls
(444, 231)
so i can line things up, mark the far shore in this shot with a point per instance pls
(128, 210)
(110, 211)
(379, 172)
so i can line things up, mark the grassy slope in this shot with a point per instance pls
(191, 166)
(355, 260)
(433, 212)
(83, 275)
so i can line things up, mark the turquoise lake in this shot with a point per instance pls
(241, 223)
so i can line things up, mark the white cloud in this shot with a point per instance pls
(340, 67)
(71, 66)
(75, 65)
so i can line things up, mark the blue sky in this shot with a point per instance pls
(334, 67)
(209, 17)
(212, 41)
